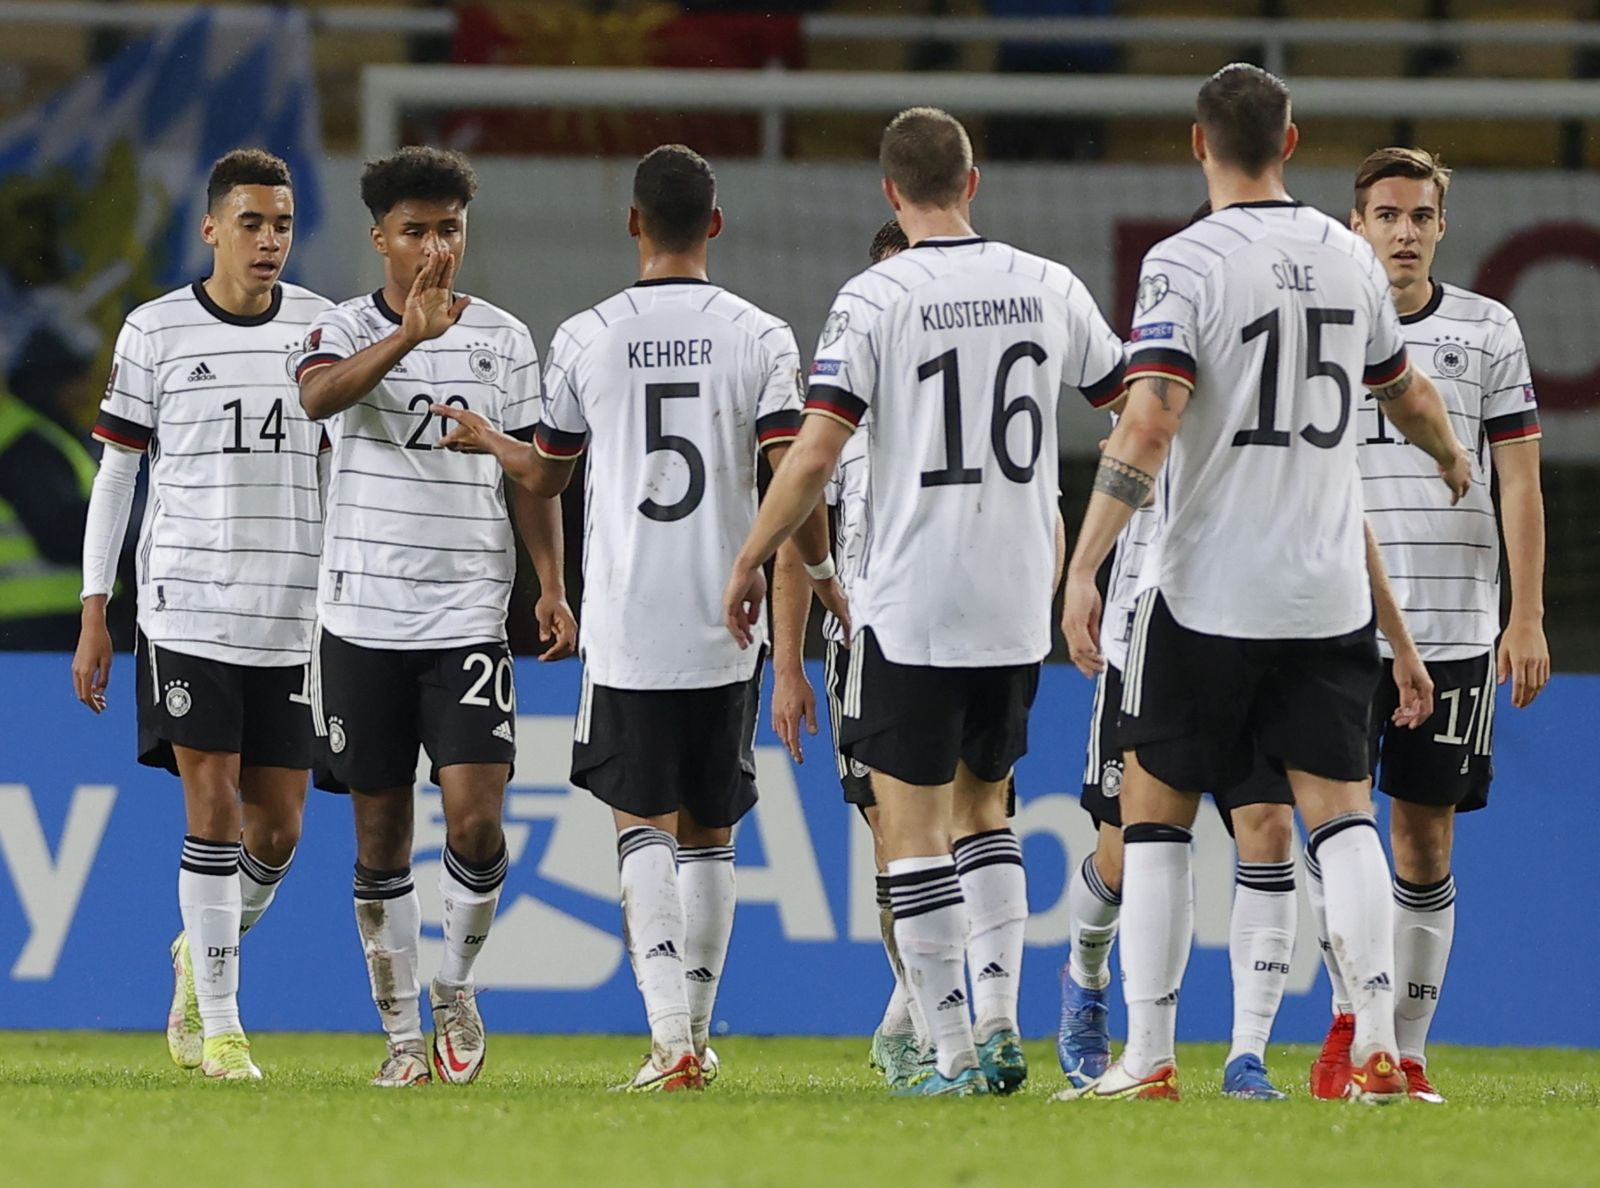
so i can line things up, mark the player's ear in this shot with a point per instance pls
(633, 222)
(1355, 221)
(378, 244)
(1291, 141)
(972, 183)
(208, 229)
(892, 194)
(1443, 223)
(714, 228)
(1197, 142)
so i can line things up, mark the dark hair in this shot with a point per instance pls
(890, 240)
(1245, 112)
(245, 167)
(1415, 163)
(674, 191)
(428, 174)
(926, 154)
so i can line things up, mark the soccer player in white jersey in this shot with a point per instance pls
(202, 382)
(1254, 624)
(1446, 561)
(958, 348)
(416, 572)
(673, 386)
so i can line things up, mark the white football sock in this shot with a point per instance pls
(1157, 930)
(471, 892)
(1095, 909)
(208, 898)
(258, 887)
(1355, 878)
(652, 919)
(1340, 997)
(930, 928)
(995, 887)
(902, 1015)
(1260, 944)
(708, 888)
(389, 918)
(1424, 929)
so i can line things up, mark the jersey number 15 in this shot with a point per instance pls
(1266, 432)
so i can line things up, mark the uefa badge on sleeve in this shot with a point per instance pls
(833, 329)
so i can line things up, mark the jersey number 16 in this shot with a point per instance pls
(955, 471)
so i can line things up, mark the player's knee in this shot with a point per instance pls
(477, 837)
(1265, 832)
(274, 844)
(1422, 845)
(1108, 863)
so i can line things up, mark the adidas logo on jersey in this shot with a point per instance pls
(956, 998)
(702, 975)
(202, 374)
(503, 732)
(992, 970)
(1381, 982)
(665, 949)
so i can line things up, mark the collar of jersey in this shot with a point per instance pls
(949, 241)
(1261, 202)
(383, 308)
(1428, 310)
(669, 280)
(233, 319)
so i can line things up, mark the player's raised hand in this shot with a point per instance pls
(1524, 660)
(1458, 475)
(1080, 623)
(741, 602)
(557, 627)
(793, 703)
(1415, 689)
(432, 306)
(472, 434)
(91, 664)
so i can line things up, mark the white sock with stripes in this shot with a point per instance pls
(258, 887)
(471, 892)
(930, 928)
(1094, 909)
(709, 890)
(652, 920)
(1360, 924)
(1317, 897)
(995, 887)
(208, 897)
(1260, 944)
(389, 918)
(1424, 930)
(1157, 931)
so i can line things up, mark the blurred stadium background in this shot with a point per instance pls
(111, 112)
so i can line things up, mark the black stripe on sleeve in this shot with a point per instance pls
(1103, 391)
(1517, 426)
(523, 434)
(778, 427)
(121, 431)
(1378, 374)
(558, 443)
(1161, 361)
(842, 406)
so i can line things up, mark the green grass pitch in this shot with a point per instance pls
(110, 1109)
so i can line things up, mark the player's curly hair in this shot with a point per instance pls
(1397, 161)
(675, 193)
(245, 167)
(889, 241)
(428, 174)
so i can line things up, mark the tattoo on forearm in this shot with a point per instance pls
(1395, 390)
(1124, 483)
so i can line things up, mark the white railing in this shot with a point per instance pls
(1274, 36)
(388, 91)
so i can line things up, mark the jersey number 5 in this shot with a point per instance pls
(954, 472)
(1266, 431)
(655, 440)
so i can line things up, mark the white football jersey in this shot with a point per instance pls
(846, 493)
(673, 386)
(233, 523)
(1275, 315)
(1444, 561)
(959, 349)
(1122, 591)
(418, 550)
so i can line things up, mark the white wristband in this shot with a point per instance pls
(822, 570)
